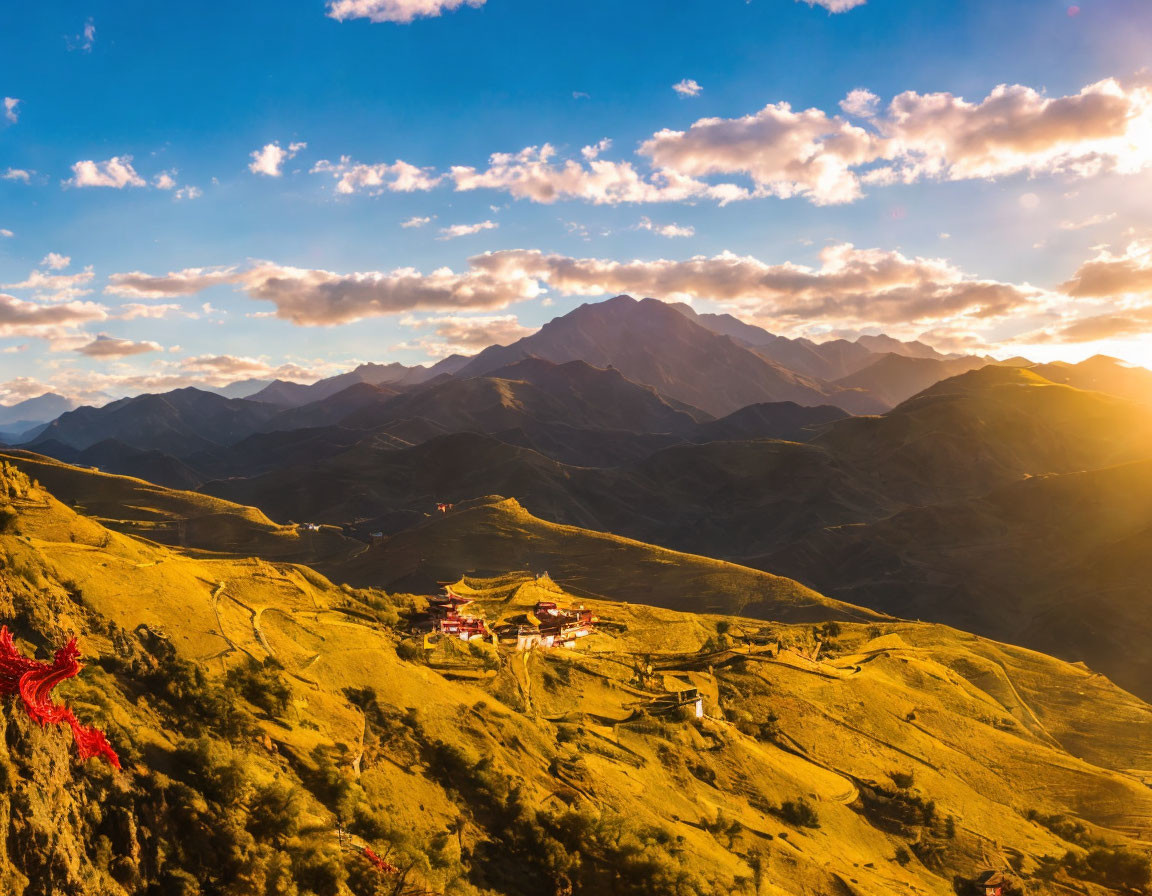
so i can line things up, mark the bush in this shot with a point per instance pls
(411, 650)
(903, 780)
(798, 813)
(1112, 866)
(262, 685)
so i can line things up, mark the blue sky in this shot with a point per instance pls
(182, 100)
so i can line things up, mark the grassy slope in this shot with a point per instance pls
(179, 518)
(489, 770)
(495, 535)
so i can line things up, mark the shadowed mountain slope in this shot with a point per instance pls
(30, 411)
(895, 378)
(183, 519)
(726, 499)
(651, 342)
(1059, 562)
(178, 422)
(781, 420)
(493, 535)
(1102, 374)
(535, 391)
(395, 375)
(968, 434)
(735, 499)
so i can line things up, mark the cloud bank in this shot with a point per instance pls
(827, 158)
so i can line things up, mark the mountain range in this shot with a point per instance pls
(610, 419)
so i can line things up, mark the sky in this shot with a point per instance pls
(291, 188)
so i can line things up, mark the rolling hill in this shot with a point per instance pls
(894, 378)
(1102, 374)
(260, 710)
(1058, 562)
(730, 499)
(395, 375)
(178, 423)
(30, 411)
(492, 536)
(183, 519)
(973, 432)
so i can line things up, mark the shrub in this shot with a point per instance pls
(1112, 866)
(262, 685)
(799, 813)
(411, 650)
(903, 780)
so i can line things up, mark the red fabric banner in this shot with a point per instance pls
(34, 680)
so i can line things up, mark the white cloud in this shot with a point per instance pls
(19, 174)
(56, 287)
(416, 222)
(1112, 294)
(165, 180)
(137, 285)
(533, 173)
(270, 160)
(46, 320)
(851, 287)
(402, 11)
(21, 388)
(836, 5)
(860, 103)
(399, 177)
(310, 297)
(117, 172)
(668, 230)
(85, 40)
(687, 87)
(136, 310)
(1015, 129)
(55, 261)
(11, 109)
(786, 153)
(826, 158)
(104, 346)
(1110, 275)
(459, 230)
(6, 233)
(1090, 221)
(188, 192)
(459, 335)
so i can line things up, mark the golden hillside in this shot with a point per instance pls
(255, 704)
(179, 518)
(494, 535)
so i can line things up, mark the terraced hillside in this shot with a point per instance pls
(260, 710)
